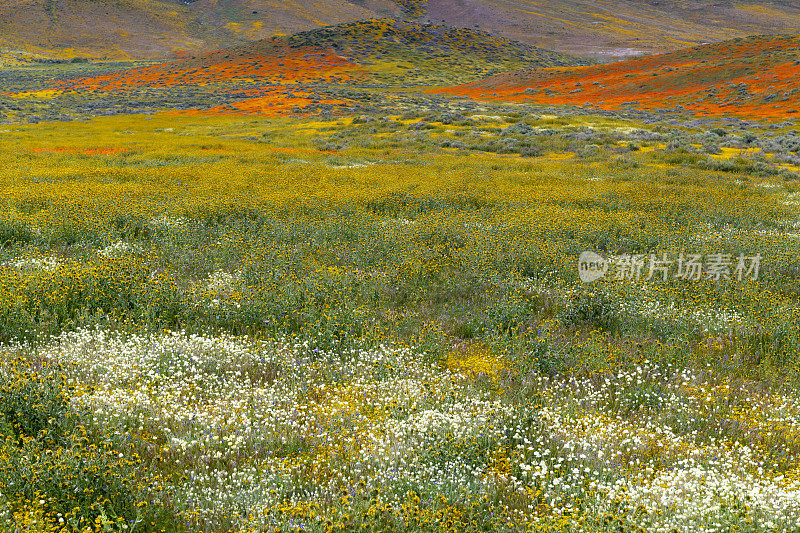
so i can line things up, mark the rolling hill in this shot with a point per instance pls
(609, 29)
(756, 76)
(155, 29)
(287, 74)
(380, 51)
(148, 29)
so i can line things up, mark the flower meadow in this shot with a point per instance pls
(753, 76)
(375, 322)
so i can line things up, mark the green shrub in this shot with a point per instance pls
(594, 309)
(12, 232)
(35, 407)
(48, 455)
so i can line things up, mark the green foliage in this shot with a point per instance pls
(412, 8)
(594, 309)
(12, 232)
(50, 455)
(36, 407)
(322, 261)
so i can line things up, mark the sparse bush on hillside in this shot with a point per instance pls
(594, 310)
(413, 8)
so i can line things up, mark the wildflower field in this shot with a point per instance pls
(374, 321)
(757, 76)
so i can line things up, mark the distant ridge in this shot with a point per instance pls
(313, 69)
(756, 76)
(158, 29)
(394, 39)
(374, 51)
(620, 29)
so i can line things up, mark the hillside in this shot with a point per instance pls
(371, 51)
(755, 76)
(287, 74)
(151, 29)
(619, 28)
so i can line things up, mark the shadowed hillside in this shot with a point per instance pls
(150, 29)
(619, 28)
(756, 76)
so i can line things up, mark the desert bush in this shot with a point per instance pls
(593, 309)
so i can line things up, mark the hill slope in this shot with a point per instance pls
(375, 51)
(756, 76)
(288, 74)
(153, 29)
(619, 28)
(161, 28)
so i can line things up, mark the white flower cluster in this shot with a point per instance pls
(220, 281)
(168, 222)
(238, 412)
(119, 248)
(397, 222)
(662, 463)
(33, 263)
(257, 424)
